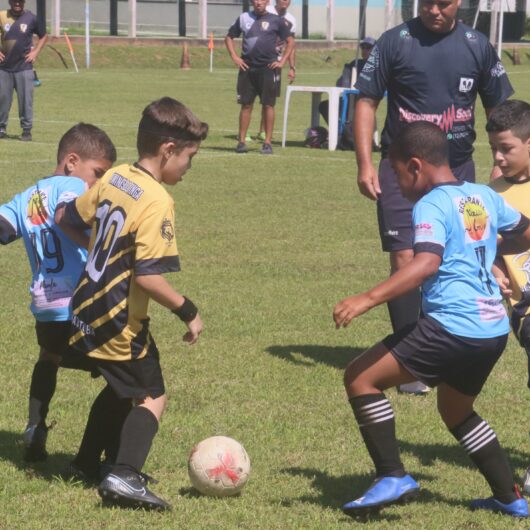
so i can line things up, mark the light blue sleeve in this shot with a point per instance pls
(10, 212)
(430, 222)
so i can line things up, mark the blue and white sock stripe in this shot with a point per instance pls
(374, 413)
(477, 438)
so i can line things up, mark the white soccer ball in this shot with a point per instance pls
(219, 466)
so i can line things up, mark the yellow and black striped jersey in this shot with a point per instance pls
(517, 194)
(132, 233)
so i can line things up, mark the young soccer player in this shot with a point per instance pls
(85, 152)
(132, 244)
(461, 333)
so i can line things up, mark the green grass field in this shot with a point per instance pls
(268, 246)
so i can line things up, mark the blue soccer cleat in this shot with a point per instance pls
(383, 492)
(517, 508)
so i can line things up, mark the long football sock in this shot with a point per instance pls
(405, 310)
(114, 426)
(481, 444)
(95, 436)
(42, 388)
(137, 435)
(375, 418)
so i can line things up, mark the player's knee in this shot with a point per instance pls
(352, 378)
(50, 357)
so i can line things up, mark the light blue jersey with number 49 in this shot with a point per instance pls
(56, 261)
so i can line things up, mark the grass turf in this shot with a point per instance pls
(268, 246)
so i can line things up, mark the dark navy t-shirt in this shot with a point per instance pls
(17, 37)
(434, 77)
(260, 36)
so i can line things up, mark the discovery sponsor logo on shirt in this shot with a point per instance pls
(444, 120)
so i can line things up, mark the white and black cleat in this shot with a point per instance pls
(128, 489)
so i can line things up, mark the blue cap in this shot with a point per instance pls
(370, 41)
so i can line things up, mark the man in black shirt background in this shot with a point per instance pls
(432, 67)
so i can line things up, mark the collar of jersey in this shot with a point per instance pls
(141, 168)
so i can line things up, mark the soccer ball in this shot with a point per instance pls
(219, 466)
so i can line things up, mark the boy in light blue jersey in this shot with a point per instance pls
(461, 333)
(85, 152)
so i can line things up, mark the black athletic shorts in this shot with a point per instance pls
(254, 82)
(394, 212)
(134, 379)
(53, 337)
(434, 356)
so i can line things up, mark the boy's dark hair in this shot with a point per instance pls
(88, 142)
(167, 119)
(421, 139)
(512, 115)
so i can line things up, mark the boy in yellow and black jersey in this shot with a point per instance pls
(132, 244)
(509, 135)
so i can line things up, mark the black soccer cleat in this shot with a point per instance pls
(34, 438)
(128, 490)
(26, 135)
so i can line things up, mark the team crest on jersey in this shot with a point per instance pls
(166, 231)
(264, 25)
(37, 212)
(7, 27)
(23, 28)
(404, 34)
(497, 70)
(470, 35)
(475, 218)
(466, 84)
(522, 263)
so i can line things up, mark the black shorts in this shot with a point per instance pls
(53, 337)
(134, 379)
(394, 212)
(254, 82)
(434, 356)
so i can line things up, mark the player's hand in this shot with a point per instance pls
(349, 308)
(276, 64)
(240, 63)
(291, 75)
(504, 286)
(31, 56)
(368, 182)
(194, 330)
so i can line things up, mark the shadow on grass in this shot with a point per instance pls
(333, 492)
(312, 354)
(428, 454)
(12, 450)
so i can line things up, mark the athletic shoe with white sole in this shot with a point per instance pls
(383, 492)
(417, 388)
(34, 438)
(128, 489)
(517, 508)
(241, 148)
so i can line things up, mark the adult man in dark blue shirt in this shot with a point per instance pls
(433, 68)
(17, 27)
(261, 31)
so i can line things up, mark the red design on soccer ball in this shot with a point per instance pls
(227, 467)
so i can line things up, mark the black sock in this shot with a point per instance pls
(42, 388)
(95, 437)
(481, 444)
(405, 310)
(114, 428)
(375, 417)
(137, 436)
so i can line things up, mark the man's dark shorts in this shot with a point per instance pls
(135, 379)
(53, 337)
(433, 355)
(394, 212)
(254, 82)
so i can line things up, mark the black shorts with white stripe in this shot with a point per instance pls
(433, 355)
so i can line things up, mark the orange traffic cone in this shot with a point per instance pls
(185, 61)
